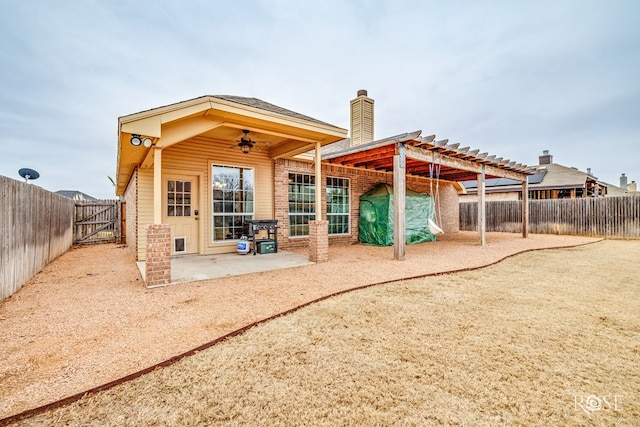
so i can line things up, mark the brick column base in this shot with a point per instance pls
(319, 241)
(158, 259)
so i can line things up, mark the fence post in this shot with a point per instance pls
(525, 208)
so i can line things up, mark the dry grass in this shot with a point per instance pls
(510, 344)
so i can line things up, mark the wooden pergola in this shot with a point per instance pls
(412, 154)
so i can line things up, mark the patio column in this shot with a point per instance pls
(319, 228)
(399, 193)
(157, 185)
(158, 255)
(525, 209)
(158, 249)
(482, 223)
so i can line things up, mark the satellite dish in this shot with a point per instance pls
(28, 174)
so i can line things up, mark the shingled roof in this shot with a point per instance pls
(549, 176)
(263, 105)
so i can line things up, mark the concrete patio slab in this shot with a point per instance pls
(192, 268)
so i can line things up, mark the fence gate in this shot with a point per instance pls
(97, 221)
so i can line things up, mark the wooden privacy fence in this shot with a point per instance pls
(98, 221)
(36, 226)
(602, 217)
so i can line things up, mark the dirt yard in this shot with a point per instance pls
(491, 346)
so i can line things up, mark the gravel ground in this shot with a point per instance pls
(87, 318)
(501, 345)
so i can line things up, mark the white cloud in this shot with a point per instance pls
(511, 78)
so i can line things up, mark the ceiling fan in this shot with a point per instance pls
(246, 143)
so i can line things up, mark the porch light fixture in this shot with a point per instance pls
(137, 140)
(245, 146)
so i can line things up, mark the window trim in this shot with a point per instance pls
(213, 214)
(347, 214)
(312, 215)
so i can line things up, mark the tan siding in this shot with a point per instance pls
(145, 209)
(367, 122)
(195, 157)
(131, 208)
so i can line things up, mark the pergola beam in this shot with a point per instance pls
(461, 164)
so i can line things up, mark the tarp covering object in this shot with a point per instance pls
(376, 224)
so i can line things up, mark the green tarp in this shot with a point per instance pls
(375, 225)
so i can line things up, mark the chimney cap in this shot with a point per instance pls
(545, 152)
(362, 92)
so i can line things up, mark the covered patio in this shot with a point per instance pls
(412, 154)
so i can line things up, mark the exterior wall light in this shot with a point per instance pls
(137, 140)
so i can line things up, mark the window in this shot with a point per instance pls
(302, 203)
(232, 199)
(338, 205)
(178, 198)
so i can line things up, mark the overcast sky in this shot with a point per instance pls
(509, 77)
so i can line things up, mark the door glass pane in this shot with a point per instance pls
(178, 198)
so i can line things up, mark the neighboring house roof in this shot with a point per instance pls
(550, 176)
(559, 176)
(613, 190)
(505, 182)
(75, 195)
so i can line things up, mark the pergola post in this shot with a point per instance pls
(399, 193)
(525, 209)
(482, 218)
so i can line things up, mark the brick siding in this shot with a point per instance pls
(158, 254)
(360, 181)
(318, 242)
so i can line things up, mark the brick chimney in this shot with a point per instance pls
(623, 182)
(361, 119)
(633, 187)
(546, 158)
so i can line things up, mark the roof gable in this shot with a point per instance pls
(223, 118)
(263, 105)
